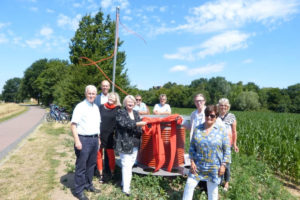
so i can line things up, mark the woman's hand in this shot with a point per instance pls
(221, 170)
(193, 167)
(236, 149)
(141, 123)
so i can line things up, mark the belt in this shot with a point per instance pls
(95, 135)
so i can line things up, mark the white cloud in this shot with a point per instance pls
(34, 9)
(225, 42)
(46, 31)
(49, 10)
(127, 18)
(163, 8)
(247, 61)
(112, 4)
(3, 38)
(67, 22)
(223, 15)
(76, 5)
(150, 8)
(178, 68)
(183, 53)
(34, 43)
(2, 25)
(208, 69)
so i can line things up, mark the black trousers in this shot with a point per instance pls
(85, 163)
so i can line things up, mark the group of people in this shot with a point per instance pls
(100, 125)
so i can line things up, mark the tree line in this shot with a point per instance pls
(60, 82)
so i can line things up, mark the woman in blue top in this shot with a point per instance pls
(209, 154)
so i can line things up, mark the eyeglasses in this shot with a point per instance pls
(197, 101)
(223, 105)
(138, 99)
(211, 116)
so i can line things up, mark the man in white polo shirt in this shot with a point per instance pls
(85, 126)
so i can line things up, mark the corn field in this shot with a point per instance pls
(273, 138)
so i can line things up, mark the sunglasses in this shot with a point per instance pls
(211, 116)
(138, 99)
(199, 101)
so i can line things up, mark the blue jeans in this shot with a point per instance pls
(85, 163)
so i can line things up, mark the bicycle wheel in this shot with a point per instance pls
(49, 117)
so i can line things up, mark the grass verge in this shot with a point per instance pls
(8, 114)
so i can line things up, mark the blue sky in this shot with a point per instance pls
(241, 40)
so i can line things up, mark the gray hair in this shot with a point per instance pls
(117, 101)
(162, 95)
(127, 98)
(91, 88)
(224, 101)
(200, 95)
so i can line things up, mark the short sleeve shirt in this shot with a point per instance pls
(87, 117)
(228, 120)
(160, 108)
(141, 107)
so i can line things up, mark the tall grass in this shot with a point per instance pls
(273, 138)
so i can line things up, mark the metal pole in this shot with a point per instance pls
(116, 47)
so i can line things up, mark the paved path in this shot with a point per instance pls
(14, 130)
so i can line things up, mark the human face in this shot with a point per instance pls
(129, 105)
(112, 99)
(163, 100)
(199, 103)
(138, 100)
(211, 118)
(223, 109)
(90, 95)
(105, 86)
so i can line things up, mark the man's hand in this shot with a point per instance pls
(78, 145)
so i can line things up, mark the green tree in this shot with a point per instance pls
(251, 87)
(10, 90)
(247, 101)
(29, 86)
(93, 39)
(294, 93)
(54, 72)
(236, 89)
(217, 88)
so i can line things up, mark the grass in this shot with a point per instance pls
(44, 166)
(10, 110)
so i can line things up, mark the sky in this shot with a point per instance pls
(241, 40)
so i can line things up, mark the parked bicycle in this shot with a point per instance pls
(57, 114)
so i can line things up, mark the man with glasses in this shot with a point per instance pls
(141, 106)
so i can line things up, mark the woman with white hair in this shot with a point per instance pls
(229, 122)
(128, 135)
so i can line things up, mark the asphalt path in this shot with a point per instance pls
(14, 130)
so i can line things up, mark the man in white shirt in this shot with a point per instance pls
(162, 108)
(141, 106)
(102, 98)
(85, 126)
